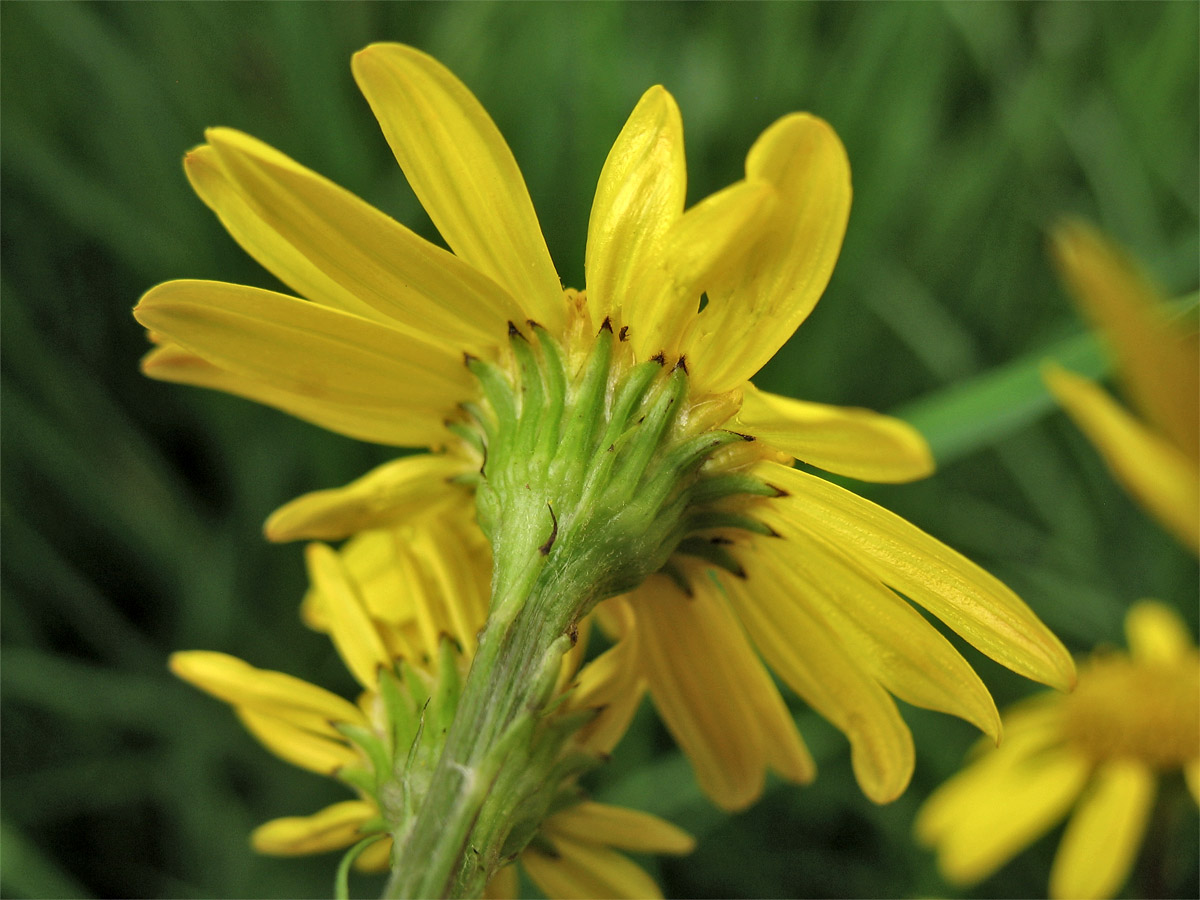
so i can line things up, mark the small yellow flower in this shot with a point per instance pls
(1155, 455)
(1133, 718)
(794, 568)
(389, 597)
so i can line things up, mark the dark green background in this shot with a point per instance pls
(131, 510)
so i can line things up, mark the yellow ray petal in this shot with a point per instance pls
(400, 641)
(710, 689)
(427, 579)
(332, 828)
(615, 617)
(270, 693)
(1191, 774)
(808, 656)
(457, 581)
(601, 735)
(1155, 361)
(401, 489)
(246, 224)
(1104, 833)
(307, 350)
(505, 885)
(743, 325)
(896, 645)
(785, 751)
(849, 441)
(1030, 726)
(462, 172)
(698, 704)
(613, 684)
(372, 560)
(376, 858)
(1002, 815)
(417, 596)
(298, 746)
(619, 827)
(1034, 728)
(351, 250)
(1154, 472)
(1156, 633)
(353, 633)
(702, 248)
(583, 871)
(972, 602)
(640, 193)
(609, 676)
(394, 427)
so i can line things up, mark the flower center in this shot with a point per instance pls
(1128, 709)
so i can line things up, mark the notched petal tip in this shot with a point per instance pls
(153, 297)
(201, 154)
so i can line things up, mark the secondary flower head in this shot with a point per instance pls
(611, 435)
(1133, 718)
(398, 605)
(1155, 454)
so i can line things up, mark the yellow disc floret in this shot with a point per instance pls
(1136, 709)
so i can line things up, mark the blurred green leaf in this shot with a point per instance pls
(978, 412)
(27, 872)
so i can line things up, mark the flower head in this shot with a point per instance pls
(398, 605)
(614, 430)
(1155, 454)
(1099, 751)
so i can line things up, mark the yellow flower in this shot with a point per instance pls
(781, 563)
(1155, 455)
(1100, 750)
(388, 598)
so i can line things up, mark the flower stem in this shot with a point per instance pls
(457, 839)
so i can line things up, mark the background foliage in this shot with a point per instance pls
(131, 510)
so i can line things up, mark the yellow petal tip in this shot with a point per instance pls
(177, 662)
(275, 528)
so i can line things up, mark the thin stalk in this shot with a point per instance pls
(445, 852)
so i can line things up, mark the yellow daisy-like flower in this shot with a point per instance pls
(763, 558)
(1100, 750)
(1155, 455)
(387, 599)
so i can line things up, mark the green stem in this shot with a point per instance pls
(453, 844)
